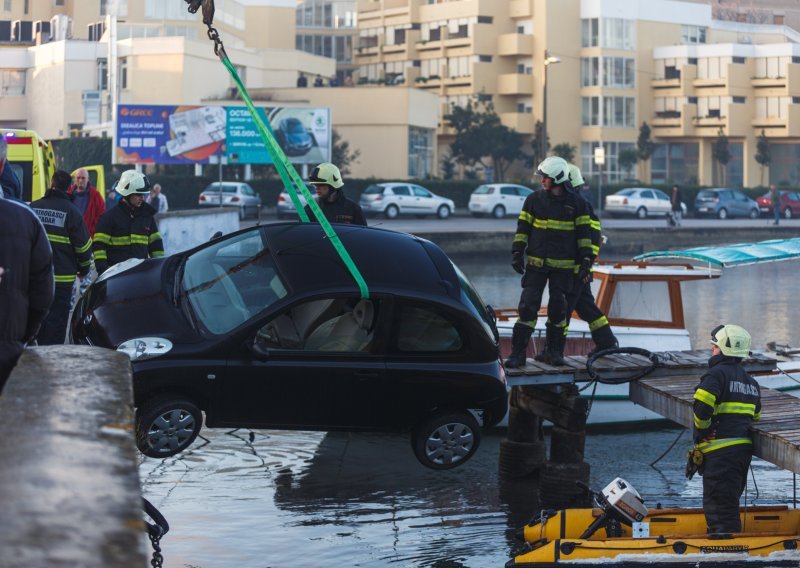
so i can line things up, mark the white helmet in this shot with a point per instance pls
(132, 183)
(555, 168)
(732, 340)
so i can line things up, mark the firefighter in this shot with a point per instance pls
(331, 199)
(553, 230)
(129, 229)
(726, 402)
(72, 253)
(580, 298)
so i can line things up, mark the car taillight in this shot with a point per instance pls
(625, 201)
(281, 199)
(202, 198)
(379, 197)
(234, 200)
(716, 200)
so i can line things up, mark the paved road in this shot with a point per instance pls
(466, 223)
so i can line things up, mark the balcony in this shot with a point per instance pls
(520, 121)
(780, 127)
(515, 44)
(429, 45)
(736, 83)
(514, 84)
(788, 86)
(680, 86)
(462, 9)
(675, 123)
(520, 9)
(734, 119)
(484, 78)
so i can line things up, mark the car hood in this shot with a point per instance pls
(137, 303)
(299, 138)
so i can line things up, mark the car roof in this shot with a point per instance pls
(389, 261)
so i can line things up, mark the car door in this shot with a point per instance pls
(424, 201)
(403, 198)
(663, 204)
(509, 199)
(742, 203)
(522, 195)
(314, 365)
(648, 201)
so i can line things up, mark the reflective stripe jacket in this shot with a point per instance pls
(726, 402)
(68, 235)
(556, 231)
(125, 232)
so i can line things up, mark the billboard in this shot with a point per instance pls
(161, 134)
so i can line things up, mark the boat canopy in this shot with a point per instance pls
(734, 255)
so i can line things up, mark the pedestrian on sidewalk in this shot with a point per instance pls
(676, 200)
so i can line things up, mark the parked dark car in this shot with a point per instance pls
(789, 206)
(293, 137)
(265, 328)
(724, 203)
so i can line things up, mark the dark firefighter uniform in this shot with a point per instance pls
(726, 402)
(126, 232)
(72, 254)
(552, 232)
(342, 210)
(581, 300)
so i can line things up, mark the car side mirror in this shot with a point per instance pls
(258, 350)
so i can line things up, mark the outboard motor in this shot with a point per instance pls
(621, 503)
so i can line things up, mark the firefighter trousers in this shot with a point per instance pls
(724, 480)
(559, 284)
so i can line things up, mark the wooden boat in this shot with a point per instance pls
(643, 302)
(675, 536)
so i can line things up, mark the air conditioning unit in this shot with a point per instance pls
(21, 30)
(60, 27)
(90, 96)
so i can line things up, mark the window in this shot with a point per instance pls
(55, 2)
(102, 74)
(739, 60)
(589, 32)
(647, 194)
(420, 151)
(619, 72)
(611, 171)
(590, 71)
(675, 162)
(693, 34)
(7, 5)
(425, 329)
(123, 73)
(401, 190)
(26, 7)
(160, 10)
(114, 8)
(617, 112)
(618, 34)
(509, 190)
(343, 325)
(591, 111)
(229, 282)
(12, 82)
(420, 192)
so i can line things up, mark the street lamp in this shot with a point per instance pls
(548, 61)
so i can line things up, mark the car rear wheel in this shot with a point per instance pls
(499, 212)
(391, 212)
(722, 213)
(755, 213)
(641, 213)
(166, 426)
(787, 213)
(446, 440)
(443, 212)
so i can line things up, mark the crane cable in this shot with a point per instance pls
(288, 174)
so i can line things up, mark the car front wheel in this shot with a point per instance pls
(391, 212)
(641, 213)
(755, 213)
(166, 426)
(443, 212)
(499, 212)
(446, 440)
(722, 213)
(787, 213)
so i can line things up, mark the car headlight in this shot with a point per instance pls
(143, 348)
(119, 268)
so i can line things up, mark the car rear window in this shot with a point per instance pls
(230, 281)
(483, 190)
(226, 188)
(705, 194)
(373, 190)
(473, 300)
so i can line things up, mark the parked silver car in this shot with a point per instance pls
(640, 202)
(499, 199)
(401, 198)
(232, 194)
(285, 207)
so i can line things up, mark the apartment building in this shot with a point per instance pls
(328, 28)
(601, 68)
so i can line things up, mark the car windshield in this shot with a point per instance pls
(473, 300)
(230, 281)
(226, 188)
(295, 127)
(373, 189)
(482, 190)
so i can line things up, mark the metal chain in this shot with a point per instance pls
(219, 48)
(155, 538)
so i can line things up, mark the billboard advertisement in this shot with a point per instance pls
(161, 134)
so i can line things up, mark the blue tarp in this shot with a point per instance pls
(735, 255)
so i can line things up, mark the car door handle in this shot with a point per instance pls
(367, 374)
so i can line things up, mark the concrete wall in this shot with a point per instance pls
(182, 230)
(69, 481)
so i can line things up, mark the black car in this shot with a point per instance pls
(266, 328)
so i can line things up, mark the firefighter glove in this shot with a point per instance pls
(518, 262)
(585, 271)
(694, 463)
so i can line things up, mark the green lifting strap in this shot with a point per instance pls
(288, 174)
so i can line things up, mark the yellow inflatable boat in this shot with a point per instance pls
(623, 532)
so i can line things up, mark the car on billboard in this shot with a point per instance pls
(293, 137)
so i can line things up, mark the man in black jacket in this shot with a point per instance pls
(330, 198)
(128, 230)
(26, 284)
(726, 402)
(552, 244)
(72, 253)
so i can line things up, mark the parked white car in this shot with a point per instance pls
(640, 202)
(285, 207)
(498, 199)
(399, 198)
(232, 194)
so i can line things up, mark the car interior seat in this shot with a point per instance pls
(349, 331)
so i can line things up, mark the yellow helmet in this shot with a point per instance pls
(328, 174)
(732, 340)
(555, 168)
(575, 176)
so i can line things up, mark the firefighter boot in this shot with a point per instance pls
(554, 350)
(603, 339)
(519, 346)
